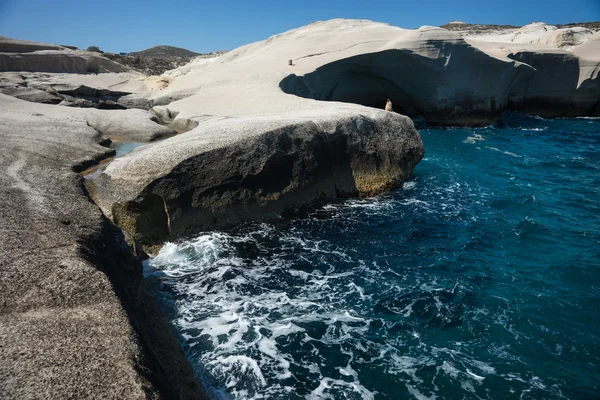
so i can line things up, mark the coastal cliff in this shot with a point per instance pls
(75, 320)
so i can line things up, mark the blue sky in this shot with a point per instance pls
(203, 26)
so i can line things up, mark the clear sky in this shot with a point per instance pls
(204, 26)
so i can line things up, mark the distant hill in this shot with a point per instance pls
(166, 52)
(158, 59)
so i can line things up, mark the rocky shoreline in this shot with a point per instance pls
(248, 139)
(75, 318)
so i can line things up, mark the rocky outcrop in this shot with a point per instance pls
(87, 97)
(445, 77)
(552, 36)
(264, 137)
(31, 94)
(269, 132)
(104, 91)
(590, 50)
(74, 319)
(227, 172)
(567, 38)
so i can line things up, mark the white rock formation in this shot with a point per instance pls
(132, 125)
(429, 72)
(445, 77)
(535, 33)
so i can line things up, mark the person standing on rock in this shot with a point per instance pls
(388, 105)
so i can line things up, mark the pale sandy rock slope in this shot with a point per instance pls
(443, 76)
(50, 74)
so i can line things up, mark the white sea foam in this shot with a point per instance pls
(474, 139)
(535, 129)
(409, 185)
(475, 376)
(508, 153)
(263, 311)
(418, 395)
(327, 385)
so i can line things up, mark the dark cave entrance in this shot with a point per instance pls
(365, 80)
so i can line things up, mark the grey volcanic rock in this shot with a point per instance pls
(133, 125)
(69, 90)
(88, 97)
(31, 94)
(226, 172)
(87, 91)
(74, 320)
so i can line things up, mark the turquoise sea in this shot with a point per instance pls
(479, 279)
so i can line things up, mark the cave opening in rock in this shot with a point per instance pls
(366, 79)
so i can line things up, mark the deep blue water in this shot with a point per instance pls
(479, 279)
